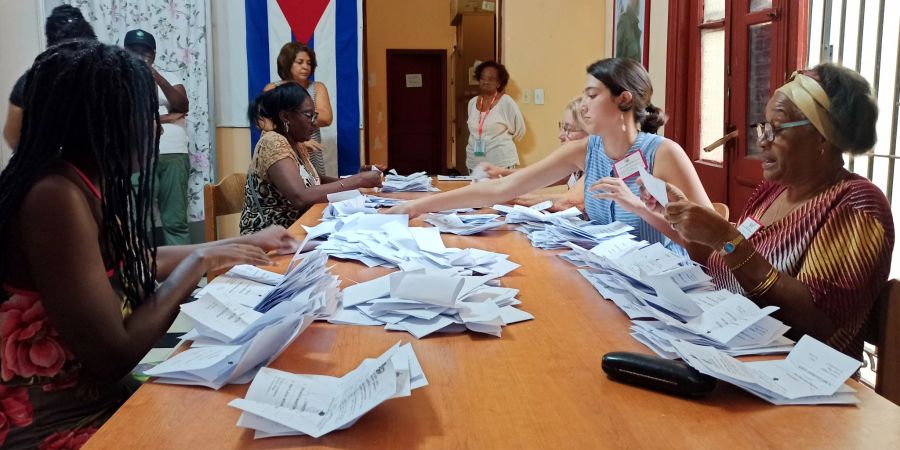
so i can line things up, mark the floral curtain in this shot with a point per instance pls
(180, 29)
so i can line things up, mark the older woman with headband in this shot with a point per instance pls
(815, 239)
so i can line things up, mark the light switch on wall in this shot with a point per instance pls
(538, 96)
(526, 95)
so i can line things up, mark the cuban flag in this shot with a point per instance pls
(333, 29)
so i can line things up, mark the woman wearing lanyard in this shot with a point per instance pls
(494, 120)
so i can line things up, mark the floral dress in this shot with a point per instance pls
(46, 400)
(264, 204)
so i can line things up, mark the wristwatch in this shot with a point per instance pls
(730, 246)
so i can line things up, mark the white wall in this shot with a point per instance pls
(659, 30)
(21, 38)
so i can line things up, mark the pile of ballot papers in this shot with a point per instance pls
(231, 342)
(388, 240)
(466, 224)
(308, 283)
(428, 301)
(813, 373)
(284, 404)
(345, 203)
(417, 182)
(557, 230)
(245, 318)
(678, 298)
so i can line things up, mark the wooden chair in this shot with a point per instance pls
(884, 333)
(225, 197)
(722, 209)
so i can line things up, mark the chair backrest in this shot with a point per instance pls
(722, 209)
(885, 334)
(225, 197)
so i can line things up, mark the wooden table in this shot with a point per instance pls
(538, 386)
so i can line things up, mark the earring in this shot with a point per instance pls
(287, 127)
(622, 118)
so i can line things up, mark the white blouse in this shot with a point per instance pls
(503, 125)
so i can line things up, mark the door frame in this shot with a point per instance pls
(682, 82)
(442, 53)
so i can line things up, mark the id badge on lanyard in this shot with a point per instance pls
(482, 116)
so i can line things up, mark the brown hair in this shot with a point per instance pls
(287, 55)
(623, 74)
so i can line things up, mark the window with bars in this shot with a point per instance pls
(865, 35)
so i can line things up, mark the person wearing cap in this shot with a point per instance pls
(174, 167)
(64, 23)
(815, 239)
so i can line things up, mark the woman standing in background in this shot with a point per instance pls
(297, 62)
(494, 120)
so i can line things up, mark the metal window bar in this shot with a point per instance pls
(885, 150)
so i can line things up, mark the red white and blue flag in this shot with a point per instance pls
(333, 29)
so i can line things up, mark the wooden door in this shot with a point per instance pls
(417, 110)
(740, 51)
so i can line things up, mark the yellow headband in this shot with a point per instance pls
(813, 102)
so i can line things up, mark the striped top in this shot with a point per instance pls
(838, 244)
(317, 158)
(598, 165)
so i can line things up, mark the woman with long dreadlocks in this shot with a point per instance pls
(80, 304)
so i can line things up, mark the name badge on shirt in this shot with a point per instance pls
(630, 165)
(572, 180)
(749, 227)
(479, 147)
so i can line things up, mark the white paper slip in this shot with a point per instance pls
(367, 290)
(630, 165)
(280, 403)
(455, 178)
(617, 246)
(236, 290)
(729, 318)
(226, 319)
(749, 227)
(254, 273)
(432, 289)
(335, 197)
(654, 186)
(194, 359)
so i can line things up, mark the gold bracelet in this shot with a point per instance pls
(765, 285)
(744, 262)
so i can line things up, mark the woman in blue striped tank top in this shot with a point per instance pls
(617, 113)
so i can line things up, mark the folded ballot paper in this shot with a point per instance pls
(307, 283)
(251, 342)
(388, 240)
(284, 404)
(464, 225)
(651, 282)
(813, 373)
(424, 302)
(417, 182)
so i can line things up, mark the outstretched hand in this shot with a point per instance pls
(275, 238)
(673, 193)
(227, 255)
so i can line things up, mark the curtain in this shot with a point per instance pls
(180, 30)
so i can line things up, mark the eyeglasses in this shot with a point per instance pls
(567, 129)
(765, 131)
(310, 115)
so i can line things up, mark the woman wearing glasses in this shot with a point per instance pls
(815, 239)
(297, 62)
(570, 129)
(282, 182)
